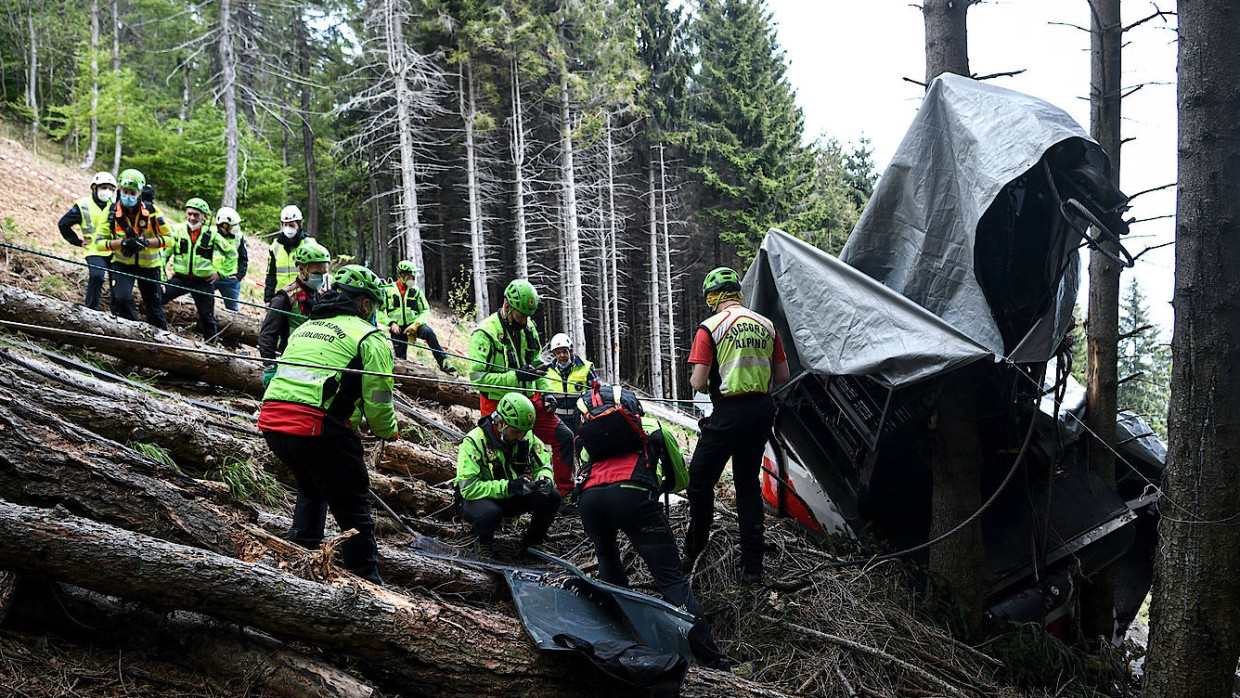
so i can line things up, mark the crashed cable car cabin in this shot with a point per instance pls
(957, 287)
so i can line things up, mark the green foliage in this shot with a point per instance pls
(1033, 658)
(248, 482)
(842, 183)
(461, 295)
(155, 452)
(1144, 362)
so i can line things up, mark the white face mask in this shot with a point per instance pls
(194, 225)
(288, 231)
(107, 194)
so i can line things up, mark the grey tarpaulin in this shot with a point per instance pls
(838, 321)
(917, 235)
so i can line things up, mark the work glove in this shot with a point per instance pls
(549, 403)
(528, 373)
(412, 330)
(543, 485)
(268, 374)
(132, 246)
(519, 486)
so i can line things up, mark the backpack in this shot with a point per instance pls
(671, 472)
(611, 422)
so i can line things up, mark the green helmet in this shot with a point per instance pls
(517, 411)
(721, 279)
(521, 296)
(355, 278)
(199, 204)
(311, 252)
(132, 179)
(406, 267)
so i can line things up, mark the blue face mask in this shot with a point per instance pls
(315, 282)
(129, 200)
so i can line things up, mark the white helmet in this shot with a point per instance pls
(227, 215)
(102, 178)
(289, 214)
(561, 341)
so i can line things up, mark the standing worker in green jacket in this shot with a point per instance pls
(570, 377)
(280, 267)
(502, 471)
(310, 411)
(86, 213)
(235, 258)
(504, 353)
(196, 260)
(406, 315)
(292, 304)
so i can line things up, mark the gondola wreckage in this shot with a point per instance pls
(870, 339)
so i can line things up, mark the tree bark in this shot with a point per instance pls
(1195, 615)
(518, 169)
(93, 148)
(116, 70)
(433, 386)
(947, 45)
(653, 285)
(441, 648)
(668, 297)
(237, 660)
(307, 133)
(477, 243)
(417, 461)
(228, 74)
(398, 60)
(32, 78)
(1102, 325)
(234, 328)
(575, 328)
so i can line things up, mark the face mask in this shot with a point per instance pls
(129, 200)
(288, 231)
(315, 281)
(195, 226)
(106, 195)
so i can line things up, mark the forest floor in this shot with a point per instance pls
(811, 630)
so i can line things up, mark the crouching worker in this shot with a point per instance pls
(501, 470)
(312, 406)
(633, 462)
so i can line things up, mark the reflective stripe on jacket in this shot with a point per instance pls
(282, 258)
(567, 387)
(92, 213)
(407, 307)
(227, 251)
(496, 354)
(198, 258)
(143, 222)
(744, 344)
(341, 341)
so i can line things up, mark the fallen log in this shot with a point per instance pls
(412, 496)
(430, 384)
(441, 648)
(162, 350)
(418, 461)
(233, 328)
(237, 661)
(195, 438)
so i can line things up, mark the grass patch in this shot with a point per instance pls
(155, 452)
(247, 482)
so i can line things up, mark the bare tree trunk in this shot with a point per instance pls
(611, 336)
(32, 79)
(518, 169)
(669, 297)
(947, 46)
(116, 69)
(477, 242)
(93, 149)
(232, 138)
(399, 68)
(654, 284)
(307, 133)
(183, 115)
(1195, 615)
(576, 328)
(1102, 325)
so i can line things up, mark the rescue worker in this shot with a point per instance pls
(621, 494)
(501, 470)
(86, 213)
(737, 356)
(280, 267)
(406, 315)
(292, 304)
(196, 259)
(570, 376)
(504, 352)
(235, 258)
(309, 415)
(136, 233)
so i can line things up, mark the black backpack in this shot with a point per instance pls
(611, 423)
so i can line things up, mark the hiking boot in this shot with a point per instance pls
(751, 578)
(448, 369)
(744, 669)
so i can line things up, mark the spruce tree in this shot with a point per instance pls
(746, 138)
(1144, 362)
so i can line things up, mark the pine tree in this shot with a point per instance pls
(747, 128)
(1144, 362)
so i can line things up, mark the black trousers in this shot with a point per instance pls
(607, 510)
(148, 283)
(203, 292)
(738, 429)
(331, 474)
(485, 515)
(426, 334)
(97, 273)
